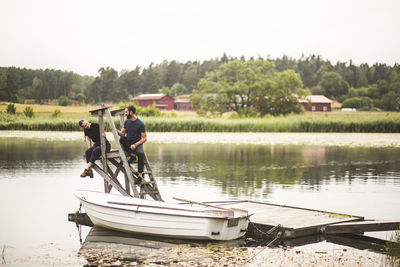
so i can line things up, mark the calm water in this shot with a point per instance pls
(38, 177)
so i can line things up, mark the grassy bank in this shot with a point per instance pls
(292, 123)
(309, 122)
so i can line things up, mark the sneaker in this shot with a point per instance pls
(138, 180)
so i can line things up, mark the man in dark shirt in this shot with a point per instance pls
(92, 133)
(132, 142)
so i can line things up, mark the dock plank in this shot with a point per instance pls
(365, 226)
(290, 217)
(294, 221)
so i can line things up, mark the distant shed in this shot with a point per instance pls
(316, 103)
(182, 103)
(160, 101)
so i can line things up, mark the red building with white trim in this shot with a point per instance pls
(160, 101)
(316, 103)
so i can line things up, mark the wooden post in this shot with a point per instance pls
(103, 149)
(121, 123)
(122, 153)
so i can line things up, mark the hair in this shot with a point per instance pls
(132, 108)
(81, 122)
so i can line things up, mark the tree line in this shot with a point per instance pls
(366, 86)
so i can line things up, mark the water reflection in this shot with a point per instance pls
(238, 170)
(103, 246)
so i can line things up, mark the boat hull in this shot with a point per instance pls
(174, 220)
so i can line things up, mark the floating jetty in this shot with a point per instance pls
(267, 220)
(294, 222)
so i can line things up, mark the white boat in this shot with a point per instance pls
(129, 214)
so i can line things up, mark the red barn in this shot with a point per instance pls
(316, 103)
(160, 101)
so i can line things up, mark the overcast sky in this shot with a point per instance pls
(84, 35)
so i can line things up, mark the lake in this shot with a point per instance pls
(356, 174)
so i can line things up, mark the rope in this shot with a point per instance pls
(79, 226)
(268, 233)
(276, 237)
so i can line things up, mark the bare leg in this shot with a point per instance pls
(89, 166)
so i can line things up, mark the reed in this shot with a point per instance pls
(285, 124)
(393, 247)
(357, 123)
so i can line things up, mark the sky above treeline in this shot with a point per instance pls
(83, 36)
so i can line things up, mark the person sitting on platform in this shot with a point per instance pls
(93, 153)
(135, 131)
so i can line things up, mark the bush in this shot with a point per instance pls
(63, 101)
(150, 111)
(81, 98)
(28, 112)
(56, 113)
(11, 109)
(363, 103)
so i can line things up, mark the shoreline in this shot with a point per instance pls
(309, 139)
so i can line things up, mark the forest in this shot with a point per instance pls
(365, 87)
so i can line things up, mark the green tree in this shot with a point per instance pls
(152, 80)
(373, 91)
(390, 101)
(131, 80)
(81, 98)
(175, 90)
(333, 84)
(63, 101)
(279, 97)
(247, 88)
(39, 90)
(173, 74)
(383, 87)
(191, 77)
(363, 103)
(7, 88)
(104, 88)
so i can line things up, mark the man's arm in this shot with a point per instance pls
(120, 133)
(141, 141)
(88, 141)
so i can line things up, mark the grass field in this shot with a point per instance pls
(336, 121)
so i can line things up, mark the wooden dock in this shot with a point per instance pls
(267, 220)
(294, 222)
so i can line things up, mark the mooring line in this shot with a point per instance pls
(2, 255)
(270, 231)
(276, 237)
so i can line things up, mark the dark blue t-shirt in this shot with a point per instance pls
(134, 129)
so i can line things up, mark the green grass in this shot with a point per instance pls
(336, 121)
(375, 122)
(285, 124)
